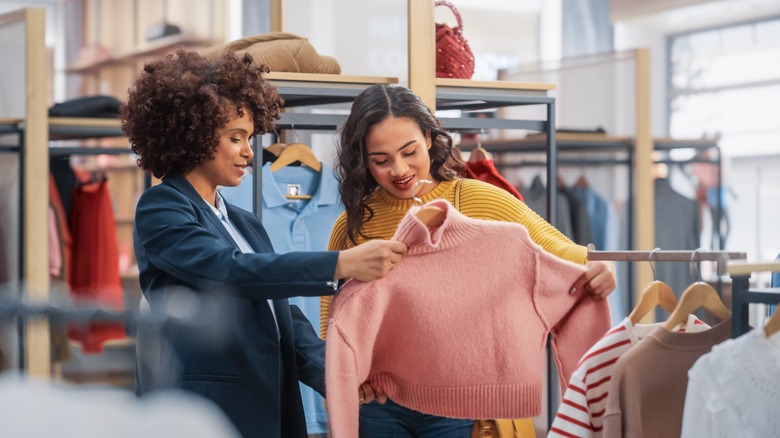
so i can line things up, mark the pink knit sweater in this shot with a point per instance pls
(458, 328)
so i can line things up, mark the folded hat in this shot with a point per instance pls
(281, 52)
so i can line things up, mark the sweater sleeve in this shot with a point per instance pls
(338, 242)
(573, 417)
(480, 200)
(576, 320)
(341, 382)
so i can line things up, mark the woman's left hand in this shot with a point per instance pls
(599, 280)
(367, 394)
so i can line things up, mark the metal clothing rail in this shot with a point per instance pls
(742, 294)
(186, 309)
(659, 255)
(667, 256)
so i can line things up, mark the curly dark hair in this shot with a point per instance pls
(372, 106)
(177, 105)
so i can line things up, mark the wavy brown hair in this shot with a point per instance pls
(375, 104)
(177, 105)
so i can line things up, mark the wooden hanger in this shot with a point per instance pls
(655, 294)
(773, 325)
(699, 294)
(582, 182)
(297, 152)
(432, 216)
(276, 148)
(479, 154)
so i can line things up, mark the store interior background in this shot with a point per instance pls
(715, 71)
(726, 79)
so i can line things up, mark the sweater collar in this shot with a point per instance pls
(382, 197)
(694, 341)
(419, 238)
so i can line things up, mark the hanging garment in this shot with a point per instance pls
(485, 170)
(647, 390)
(477, 356)
(297, 225)
(64, 243)
(582, 407)
(605, 235)
(580, 219)
(676, 228)
(58, 336)
(734, 390)
(536, 199)
(94, 274)
(605, 229)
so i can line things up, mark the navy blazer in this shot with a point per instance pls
(179, 241)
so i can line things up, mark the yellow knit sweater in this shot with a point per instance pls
(478, 200)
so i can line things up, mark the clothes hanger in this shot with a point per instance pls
(276, 148)
(773, 325)
(479, 153)
(655, 294)
(430, 215)
(297, 152)
(699, 294)
(561, 181)
(582, 182)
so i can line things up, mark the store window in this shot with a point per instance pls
(726, 81)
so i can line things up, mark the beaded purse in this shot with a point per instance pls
(454, 58)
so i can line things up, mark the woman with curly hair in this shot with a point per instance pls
(391, 142)
(190, 121)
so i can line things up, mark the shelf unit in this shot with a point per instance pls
(151, 49)
(742, 294)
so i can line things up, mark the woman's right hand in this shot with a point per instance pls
(369, 261)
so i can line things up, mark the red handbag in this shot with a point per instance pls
(454, 58)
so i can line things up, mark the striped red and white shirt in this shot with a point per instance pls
(582, 408)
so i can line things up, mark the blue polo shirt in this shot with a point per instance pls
(297, 225)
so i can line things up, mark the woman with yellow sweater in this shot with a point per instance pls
(390, 142)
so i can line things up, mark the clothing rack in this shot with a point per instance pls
(721, 257)
(742, 295)
(8, 127)
(203, 309)
(57, 128)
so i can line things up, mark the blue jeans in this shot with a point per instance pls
(392, 420)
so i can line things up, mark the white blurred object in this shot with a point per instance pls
(32, 408)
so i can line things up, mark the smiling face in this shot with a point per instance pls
(231, 157)
(398, 157)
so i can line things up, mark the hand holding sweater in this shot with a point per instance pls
(477, 356)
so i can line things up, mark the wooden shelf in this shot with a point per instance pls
(328, 78)
(153, 48)
(310, 89)
(502, 85)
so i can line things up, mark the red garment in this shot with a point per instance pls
(485, 170)
(65, 248)
(94, 274)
